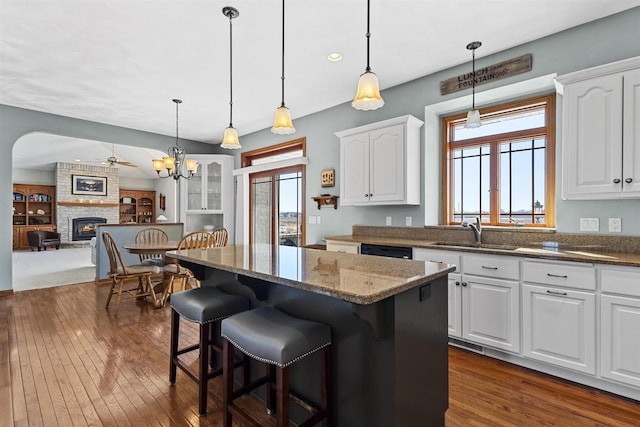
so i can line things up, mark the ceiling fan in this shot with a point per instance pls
(112, 160)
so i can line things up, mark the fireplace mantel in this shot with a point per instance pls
(96, 204)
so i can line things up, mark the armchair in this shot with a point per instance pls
(41, 239)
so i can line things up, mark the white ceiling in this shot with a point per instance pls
(122, 61)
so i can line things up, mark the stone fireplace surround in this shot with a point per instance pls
(72, 206)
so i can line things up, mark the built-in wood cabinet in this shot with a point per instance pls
(380, 163)
(207, 198)
(34, 208)
(137, 206)
(601, 132)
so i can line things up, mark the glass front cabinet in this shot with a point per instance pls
(207, 198)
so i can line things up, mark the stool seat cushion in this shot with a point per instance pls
(271, 336)
(207, 304)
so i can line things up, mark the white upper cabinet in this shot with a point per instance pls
(601, 132)
(380, 163)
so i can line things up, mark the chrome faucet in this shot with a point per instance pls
(477, 230)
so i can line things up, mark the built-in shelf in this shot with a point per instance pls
(326, 201)
(106, 205)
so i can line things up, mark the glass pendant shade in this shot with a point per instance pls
(192, 165)
(169, 162)
(368, 93)
(158, 164)
(230, 139)
(282, 123)
(473, 119)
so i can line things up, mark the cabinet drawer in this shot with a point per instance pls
(626, 282)
(346, 247)
(446, 257)
(492, 266)
(564, 275)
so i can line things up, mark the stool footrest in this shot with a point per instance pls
(244, 389)
(187, 349)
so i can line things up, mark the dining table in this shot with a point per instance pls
(155, 248)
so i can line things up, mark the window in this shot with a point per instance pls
(504, 171)
(276, 197)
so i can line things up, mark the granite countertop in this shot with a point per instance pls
(564, 252)
(353, 278)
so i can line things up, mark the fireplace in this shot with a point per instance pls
(85, 228)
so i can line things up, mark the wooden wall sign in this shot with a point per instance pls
(502, 70)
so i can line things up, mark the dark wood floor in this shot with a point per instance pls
(65, 361)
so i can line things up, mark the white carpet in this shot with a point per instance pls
(36, 270)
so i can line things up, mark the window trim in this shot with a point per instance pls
(447, 122)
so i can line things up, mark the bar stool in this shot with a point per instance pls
(204, 305)
(279, 340)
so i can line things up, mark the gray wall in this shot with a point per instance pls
(607, 40)
(599, 42)
(16, 122)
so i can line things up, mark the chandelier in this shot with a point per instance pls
(175, 162)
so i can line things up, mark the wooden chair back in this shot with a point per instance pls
(151, 235)
(221, 235)
(116, 266)
(197, 240)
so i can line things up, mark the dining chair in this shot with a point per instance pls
(179, 278)
(119, 273)
(221, 235)
(152, 235)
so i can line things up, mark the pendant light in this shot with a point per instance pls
(473, 116)
(282, 124)
(368, 92)
(230, 139)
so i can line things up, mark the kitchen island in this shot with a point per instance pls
(388, 319)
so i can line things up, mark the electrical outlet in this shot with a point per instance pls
(319, 220)
(615, 225)
(388, 220)
(407, 221)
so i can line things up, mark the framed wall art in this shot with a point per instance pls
(328, 177)
(89, 185)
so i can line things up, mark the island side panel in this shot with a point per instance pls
(421, 362)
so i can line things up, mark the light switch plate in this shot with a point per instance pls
(584, 224)
(589, 224)
(319, 220)
(615, 225)
(312, 219)
(388, 220)
(407, 221)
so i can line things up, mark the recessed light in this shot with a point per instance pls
(77, 160)
(334, 57)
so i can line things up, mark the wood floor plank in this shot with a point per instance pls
(68, 355)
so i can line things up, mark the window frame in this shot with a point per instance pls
(549, 131)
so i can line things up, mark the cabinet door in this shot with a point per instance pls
(620, 336)
(213, 186)
(455, 305)
(559, 327)
(491, 312)
(387, 168)
(631, 135)
(354, 169)
(344, 247)
(194, 189)
(592, 142)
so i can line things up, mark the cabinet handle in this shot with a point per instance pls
(616, 181)
(562, 294)
(439, 262)
(464, 284)
(557, 275)
(489, 268)
(628, 180)
(457, 283)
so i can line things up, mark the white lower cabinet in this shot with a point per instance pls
(491, 312)
(455, 305)
(559, 323)
(344, 247)
(620, 326)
